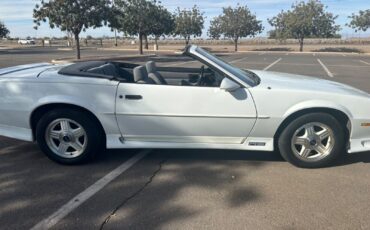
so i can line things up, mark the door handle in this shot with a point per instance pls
(133, 97)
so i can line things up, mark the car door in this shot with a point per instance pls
(184, 114)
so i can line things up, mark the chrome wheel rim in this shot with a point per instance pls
(66, 138)
(313, 141)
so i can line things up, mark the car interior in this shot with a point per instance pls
(148, 73)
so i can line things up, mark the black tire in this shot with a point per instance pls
(93, 132)
(338, 133)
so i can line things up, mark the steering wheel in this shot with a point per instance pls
(201, 76)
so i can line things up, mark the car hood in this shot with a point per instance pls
(304, 83)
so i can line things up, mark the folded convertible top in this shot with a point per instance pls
(80, 69)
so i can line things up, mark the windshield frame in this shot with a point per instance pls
(247, 79)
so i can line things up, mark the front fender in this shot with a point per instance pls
(316, 104)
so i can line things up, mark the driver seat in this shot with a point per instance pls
(154, 74)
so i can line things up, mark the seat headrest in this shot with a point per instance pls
(140, 74)
(151, 67)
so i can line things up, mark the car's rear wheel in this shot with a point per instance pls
(69, 136)
(313, 140)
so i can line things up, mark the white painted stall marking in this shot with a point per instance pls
(238, 60)
(75, 202)
(181, 63)
(330, 74)
(367, 63)
(272, 64)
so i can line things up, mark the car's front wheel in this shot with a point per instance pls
(312, 140)
(69, 136)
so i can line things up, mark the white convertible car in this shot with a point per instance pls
(74, 111)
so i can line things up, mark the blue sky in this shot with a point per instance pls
(17, 14)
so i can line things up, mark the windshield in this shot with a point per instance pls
(245, 75)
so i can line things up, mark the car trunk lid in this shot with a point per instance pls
(14, 69)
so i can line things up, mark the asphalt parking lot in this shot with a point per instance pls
(189, 189)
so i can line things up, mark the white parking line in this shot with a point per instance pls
(330, 74)
(314, 54)
(180, 63)
(262, 53)
(272, 64)
(367, 63)
(343, 55)
(88, 193)
(238, 60)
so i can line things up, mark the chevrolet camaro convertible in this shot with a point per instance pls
(75, 111)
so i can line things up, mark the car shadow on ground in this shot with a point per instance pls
(29, 181)
(212, 154)
(259, 156)
(160, 189)
(353, 158)
(218, 179)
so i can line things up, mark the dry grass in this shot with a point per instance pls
(257, 44)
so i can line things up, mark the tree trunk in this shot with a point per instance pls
(301, 44)
(78, 51)
(146, 42)
(141, 44)
(156, 42)
(236, 44)
(115, 38)
(187, 40)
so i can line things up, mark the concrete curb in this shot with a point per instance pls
(72, 49)
(98, 58)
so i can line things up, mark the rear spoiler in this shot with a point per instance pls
(22, 67)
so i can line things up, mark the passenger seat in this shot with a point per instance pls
(154, 74)
(141, 76)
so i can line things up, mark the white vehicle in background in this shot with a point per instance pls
(26, 42)
(75, 110)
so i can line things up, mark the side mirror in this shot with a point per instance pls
(229, 85)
